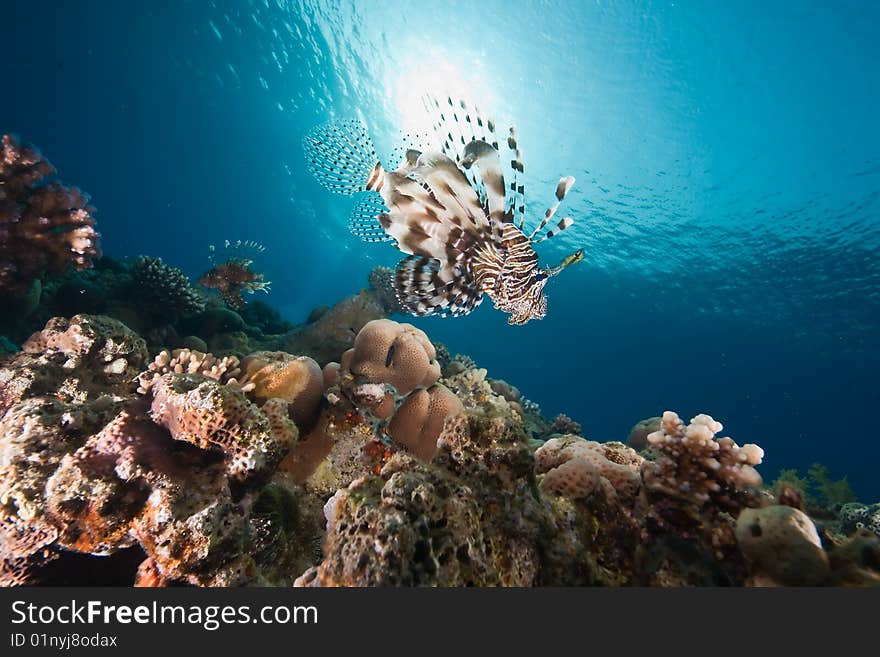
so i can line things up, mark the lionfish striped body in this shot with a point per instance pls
(449, 211)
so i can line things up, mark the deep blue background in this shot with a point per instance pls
(727, 156)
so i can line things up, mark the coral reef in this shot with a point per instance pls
(396, 463)
(181, 473)
(45, 226)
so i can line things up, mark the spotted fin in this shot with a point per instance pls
(341, 156)
(365, 220)
(425, 286)
(456, 123)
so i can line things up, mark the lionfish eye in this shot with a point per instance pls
(540, 277)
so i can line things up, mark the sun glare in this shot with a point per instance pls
(437, 76)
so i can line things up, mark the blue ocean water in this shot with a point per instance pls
(727, 158)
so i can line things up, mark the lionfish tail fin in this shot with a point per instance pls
(425, 286)
(562, 188)
(342, 158)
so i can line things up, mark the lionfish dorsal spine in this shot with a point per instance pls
(517, 184)
(562, 188)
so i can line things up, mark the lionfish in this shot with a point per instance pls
(449, 210)
(234, 276)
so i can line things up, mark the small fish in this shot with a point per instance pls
(449, 209)
(234, 276)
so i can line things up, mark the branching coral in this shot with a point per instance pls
(565, 425)
(694, 466)
(226, 370)
(164, 291)
(45, 226)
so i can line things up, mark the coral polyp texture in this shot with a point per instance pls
(370, 457)
(45, 226)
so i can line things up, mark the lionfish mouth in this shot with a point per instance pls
(457, 214)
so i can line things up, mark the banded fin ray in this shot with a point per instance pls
(341, 156)
(425, 286)
(517, 183)
(562, 188)
(365, 219)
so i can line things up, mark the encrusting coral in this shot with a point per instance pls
(45, 226)
(575, 468)
(208, 414)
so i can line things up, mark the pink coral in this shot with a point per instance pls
(575, 467)
(44, 225)
(696, 467)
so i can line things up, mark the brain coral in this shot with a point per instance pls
(44, 226)
(694, 466)
(397, 354)
(782, 543)
(575, 467)
(207, 414)
(296, 379)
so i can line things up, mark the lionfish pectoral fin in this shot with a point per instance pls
(425, 286)
(342, 158)
(365, 220)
